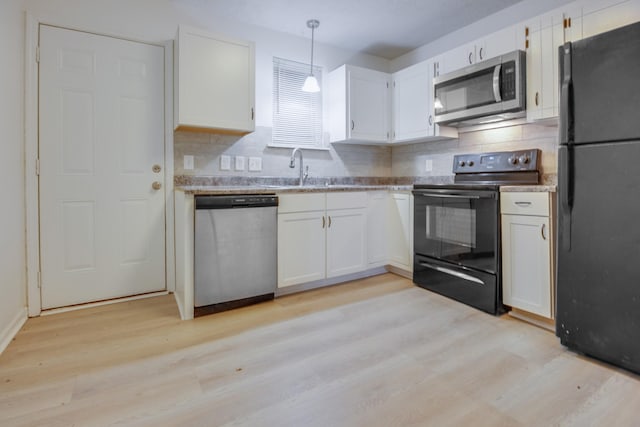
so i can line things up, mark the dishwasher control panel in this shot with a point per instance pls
(236, 201)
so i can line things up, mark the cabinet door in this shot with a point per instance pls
(496, 44)
(526, 263)
(301, 247)
(601, 16)
(534, 70)
(215, 79)
(377, 228)
(368, 105)
(411, 95)
(400, 231)
(346, 241)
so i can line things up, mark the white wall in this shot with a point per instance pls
(12, 228)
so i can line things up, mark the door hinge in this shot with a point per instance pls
(38, 167)
(38, 54)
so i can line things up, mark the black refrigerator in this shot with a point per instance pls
(598, 252)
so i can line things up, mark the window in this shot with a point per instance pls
(297, 115)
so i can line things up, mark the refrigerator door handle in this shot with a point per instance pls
(566, 104)
(565, 157)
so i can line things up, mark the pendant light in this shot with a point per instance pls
(311, 83)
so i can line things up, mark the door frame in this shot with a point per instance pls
(31, 130)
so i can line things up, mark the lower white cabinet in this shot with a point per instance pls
(400, 230)
(321, 235)
(527, 252)
(377, 224)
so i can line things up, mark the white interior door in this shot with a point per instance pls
(101, 127)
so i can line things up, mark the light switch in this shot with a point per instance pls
(255, 164)
(225, 163)
(188, 162)
(428, 165)
(240, 163)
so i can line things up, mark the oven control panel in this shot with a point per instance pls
(503, 161)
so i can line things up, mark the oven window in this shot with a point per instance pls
(452, 225)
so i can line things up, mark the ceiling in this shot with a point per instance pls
(384, 28)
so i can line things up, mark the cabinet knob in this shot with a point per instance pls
(156, 185)
(156, 168)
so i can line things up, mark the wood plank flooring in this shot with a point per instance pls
(374, 352)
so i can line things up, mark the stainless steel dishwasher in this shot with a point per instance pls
(235, 251)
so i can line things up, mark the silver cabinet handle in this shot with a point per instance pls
(323, 221)
(523, 204)
(452, 273)
(252, 113)
(481, 56)
(353, 125)
(542, 232)
(430, 120)
(537, 98)
(470, 58)
(329, 226)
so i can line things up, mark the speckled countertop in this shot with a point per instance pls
(528, 188)
(270, 185)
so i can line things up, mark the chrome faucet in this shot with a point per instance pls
(292, 164)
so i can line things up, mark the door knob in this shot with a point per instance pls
(156, 185)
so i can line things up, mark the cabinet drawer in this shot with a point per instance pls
(302, 202)
(525, 203)
(346, 200)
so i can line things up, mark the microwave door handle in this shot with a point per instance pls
(496, 82)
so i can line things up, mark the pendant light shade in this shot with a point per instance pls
(311, 83)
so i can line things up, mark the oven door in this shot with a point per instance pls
(458, 226)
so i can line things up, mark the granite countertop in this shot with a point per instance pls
(270, 189)
(551, 188)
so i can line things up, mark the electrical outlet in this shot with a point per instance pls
(428, 165)
(239, 163)
(225, 163)
(255, 164)
(188, 162)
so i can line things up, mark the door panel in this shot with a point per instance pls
(101, 131)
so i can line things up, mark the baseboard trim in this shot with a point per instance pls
(12, 329)
(329, 282)
(400, 272)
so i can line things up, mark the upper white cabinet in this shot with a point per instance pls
(492, 45)
(214, 83)
(604, 15)
(413, 110)
(359, 105)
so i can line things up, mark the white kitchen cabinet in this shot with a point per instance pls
(359, 105)
(321, 235)
(542, 38)
(377, 218)
(413, 108)
(605, 15)
(527, 252)
(494, 44)
(400, 230)
(214, 83)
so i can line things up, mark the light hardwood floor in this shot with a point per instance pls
(375, 352)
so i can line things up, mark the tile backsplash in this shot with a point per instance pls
(337, 160)
(350, 160)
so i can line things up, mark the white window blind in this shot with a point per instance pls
(297, 115)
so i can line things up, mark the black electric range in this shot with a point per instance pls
(457, 249)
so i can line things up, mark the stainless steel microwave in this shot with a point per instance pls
(486, 92)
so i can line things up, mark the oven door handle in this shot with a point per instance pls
(448, 196)
(452, 272)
